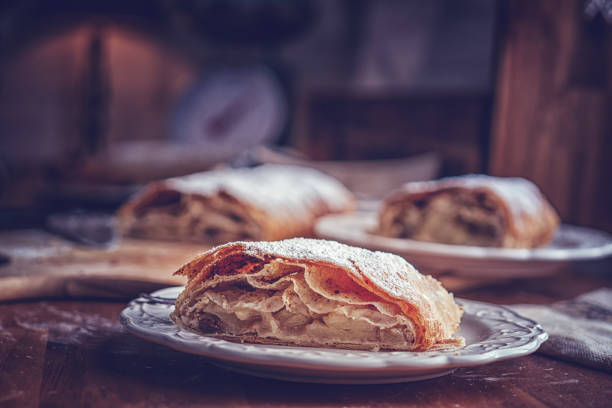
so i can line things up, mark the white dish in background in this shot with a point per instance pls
(570, 243)
(492, 333)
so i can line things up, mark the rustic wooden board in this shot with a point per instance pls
(68, 353)
(42, 265)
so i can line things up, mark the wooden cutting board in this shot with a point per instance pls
(35, 264)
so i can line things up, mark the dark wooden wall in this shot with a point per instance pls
(346, 126)
(552, 106)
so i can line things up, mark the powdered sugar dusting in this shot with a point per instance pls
(319, 250)
(520, 195)
(390, 273)
(276, 189)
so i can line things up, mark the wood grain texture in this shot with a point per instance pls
(552, 106)
(90, 360)
(42, 265)
(22, 356)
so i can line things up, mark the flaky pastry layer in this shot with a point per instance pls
(470, 210)
(316, 293)
(263, 203)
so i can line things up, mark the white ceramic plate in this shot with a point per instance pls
(492, 333)
(569, 244)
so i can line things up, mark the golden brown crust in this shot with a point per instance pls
(270, 202)
(526, 218)
(339, 273)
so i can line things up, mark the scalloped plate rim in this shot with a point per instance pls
(272, 357)
(327, 227)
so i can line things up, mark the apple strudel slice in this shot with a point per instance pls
(263, 203)
(474, 210)
(309, 292)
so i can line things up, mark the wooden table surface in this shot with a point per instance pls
(60, 353)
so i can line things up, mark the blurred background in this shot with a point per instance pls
(99, 97)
